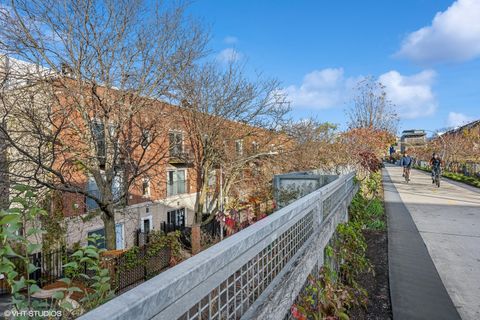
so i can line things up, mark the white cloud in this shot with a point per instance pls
(453, 36)
(229, 55)
(412, 95)
(320, 89)
(230, 40)
(456, 119)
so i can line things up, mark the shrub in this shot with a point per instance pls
(85, 266)
(324, 298)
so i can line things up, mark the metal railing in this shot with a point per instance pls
(256, 273)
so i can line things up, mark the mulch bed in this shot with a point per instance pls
(77, 296)
(377, 285)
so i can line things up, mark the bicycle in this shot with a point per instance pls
(436, 177)
(406, 174)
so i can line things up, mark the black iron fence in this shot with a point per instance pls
(49, 268)
(212, 228)
(134, 268)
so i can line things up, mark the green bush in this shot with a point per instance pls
(368, 213)
(350, 250)
(473, 181)
(16, 232)
(324, 298)
(85, 266)
(331, 293)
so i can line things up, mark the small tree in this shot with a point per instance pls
(230, 122)
(371, 108)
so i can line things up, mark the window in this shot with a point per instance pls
(146, 138)
(93, 190)
(176, 182)
(239, 147)
(146, 224)
(112, 136)
(119, 236)
(176, 142)
(117, 187)
(146, 187)
(176, 217)
(100, 243)
(98, 135)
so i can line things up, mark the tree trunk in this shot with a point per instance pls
(109, 226)
(4, 176)
(196, 239)
(201, 195)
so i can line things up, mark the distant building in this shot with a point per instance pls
(412, 138)
(469, 126)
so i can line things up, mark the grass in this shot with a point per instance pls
(473, 181)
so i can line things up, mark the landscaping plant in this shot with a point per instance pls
(335, 289)
(15, 249)
(324, 297)
(84, 266)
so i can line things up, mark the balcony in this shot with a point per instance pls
(179, 156)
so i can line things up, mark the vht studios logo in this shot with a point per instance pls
(32, 313)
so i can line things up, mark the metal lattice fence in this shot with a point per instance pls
(232, 298)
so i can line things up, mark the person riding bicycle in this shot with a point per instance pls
(436, 164)
(406, 163)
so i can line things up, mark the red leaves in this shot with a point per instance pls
(297, 314)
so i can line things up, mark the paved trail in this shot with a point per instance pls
(446, 221)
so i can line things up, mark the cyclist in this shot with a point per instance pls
(436, 164)
(406, 163)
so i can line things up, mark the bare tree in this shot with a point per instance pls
(87, 112)
(371, 107)
(231, 122)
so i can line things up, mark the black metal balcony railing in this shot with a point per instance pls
(180, 156)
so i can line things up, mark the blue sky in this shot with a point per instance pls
(426, 52)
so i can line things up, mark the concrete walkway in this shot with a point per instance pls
(434, 247)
